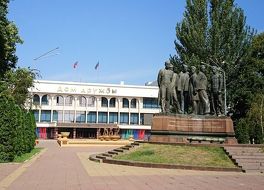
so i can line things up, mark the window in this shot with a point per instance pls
(57, 116)
(68, 101)
(91, 117)
(112, 103)
(45, 116)
(36, 99)
(36, 115)
(150, 103)
(113, 117)
(80, 117)
(134, 103)
(68, 116)
(59, 101)
(82, 101)
(134, 118)
(124, 118)
(102, 117)
(91, 101)
(44, 100)
(104, 102)
(125, 103)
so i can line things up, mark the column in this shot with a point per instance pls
(55, 132)
(138, 106)
(51, 110)
(108, 104)
(63, 107)
(74, 107)
(129, 107)
(119, 107)
(74, 133)
(97, 101)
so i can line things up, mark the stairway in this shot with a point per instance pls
(108, 155)
(250, 159)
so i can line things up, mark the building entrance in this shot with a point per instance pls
(86, 133)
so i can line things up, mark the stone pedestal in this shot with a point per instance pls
(191, 129)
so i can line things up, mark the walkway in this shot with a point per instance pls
(68, 168)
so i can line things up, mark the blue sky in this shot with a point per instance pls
(131, 39)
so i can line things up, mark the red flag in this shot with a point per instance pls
(75, 64)
(96, 66)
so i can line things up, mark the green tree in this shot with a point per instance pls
(213, 32)
(8, 39)
(17, 83)
(191, 33)
(29, 131)
(8, 125)
(242, 131)
(249, 80)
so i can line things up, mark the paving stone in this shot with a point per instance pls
(69, 168)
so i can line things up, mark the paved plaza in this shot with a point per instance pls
(69, 168)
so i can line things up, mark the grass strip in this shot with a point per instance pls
(27, 156)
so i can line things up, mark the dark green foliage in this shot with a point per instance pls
(249, 79)
(8, 39)
(31, 131)
(17, 130)
(17, 127)
(242, 131)
(213, 32)
(8, 124)
(17, 83)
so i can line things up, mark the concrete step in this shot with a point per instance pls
(250, 161)
(247, 157)
(100, 156)
(119, 150)
(112, 152)
(93, 158)
(247, 153)
(254, 171)
(251, 165)
(244, 151)
(107, 155)
(124, 148)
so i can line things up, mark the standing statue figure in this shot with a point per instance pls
(194, 98)
(183, 88)
(204, 104)
(174, 84)
(165, 77)
(216, 92)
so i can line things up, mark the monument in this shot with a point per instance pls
(190, 119)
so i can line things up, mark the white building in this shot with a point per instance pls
(84, 108)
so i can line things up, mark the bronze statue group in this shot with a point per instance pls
(190, 91)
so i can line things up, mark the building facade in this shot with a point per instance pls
(83, 109)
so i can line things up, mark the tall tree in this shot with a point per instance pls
(213, 32)
(191, 33)
(16, 83)
(8, 39)
(249, 79)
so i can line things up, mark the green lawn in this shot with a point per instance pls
(180, 155)
(27, 156)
